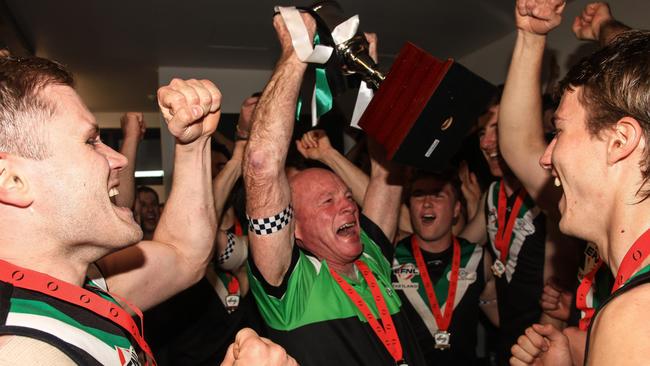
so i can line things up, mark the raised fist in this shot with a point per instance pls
(191, 108)
(539, 16)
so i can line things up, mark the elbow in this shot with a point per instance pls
(261, 164)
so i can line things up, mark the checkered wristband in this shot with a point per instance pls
(270, 225)
(230, 248)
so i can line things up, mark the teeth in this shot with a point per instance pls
(557, 182)
(345, 226)
(494, 155)
(113, 192)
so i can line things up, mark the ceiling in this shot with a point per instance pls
(115, 47)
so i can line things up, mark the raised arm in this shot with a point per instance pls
(232, 250)
(384, 194)
(133, 129)
(316, 145)
(596, 23)
(521, 133)
(267, 188)
(152, 271)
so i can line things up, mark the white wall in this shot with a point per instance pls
(492, 61)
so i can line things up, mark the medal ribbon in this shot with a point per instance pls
(581, 296)
(504, 231)
(233, 284)
(40, 282)
(386, 333)
(632, 260)
(443, 321)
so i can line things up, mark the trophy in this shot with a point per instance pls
(421, 109)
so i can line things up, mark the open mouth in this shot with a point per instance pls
(428, 219)
(346, 229)
(113, 192)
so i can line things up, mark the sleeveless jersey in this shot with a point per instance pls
(465, 316)
(520, 287)
(87, 338)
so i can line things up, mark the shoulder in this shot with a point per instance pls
(16, 350)
(623, 325)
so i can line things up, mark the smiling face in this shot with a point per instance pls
(73, 185)
(489, 141)
(578, 161)
(327, 219)
(433, 207)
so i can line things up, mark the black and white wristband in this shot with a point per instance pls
(270, 225)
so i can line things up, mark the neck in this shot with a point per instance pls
(629, 222)
(434, 246)
(510, 182)
(63, 267)
(346, 269)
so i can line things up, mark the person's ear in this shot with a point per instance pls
(14, 188)
(624, 137)
(457, 212)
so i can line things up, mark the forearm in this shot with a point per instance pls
(384, 194)
(351, 175)
(520, 112)
(189, 221)
(224, 182)
(127, 174)
(273, 122)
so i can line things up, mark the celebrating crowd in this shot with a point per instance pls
(275, 248)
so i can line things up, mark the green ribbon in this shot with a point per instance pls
(324, 99)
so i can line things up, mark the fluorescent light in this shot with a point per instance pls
(149, 173)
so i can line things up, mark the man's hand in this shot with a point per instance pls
(577, 343)
(587, 25)
(539, 16)
(249, 349)
(314, 144)
(470, 188)
(133, 125)
(556, 302)
(285, 38)
(372, 46)
(191, 108)
(541, 345)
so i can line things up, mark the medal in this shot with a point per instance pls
(442, 340)
(401, 363)
(232, 299)
(498, 268)
(232, 303)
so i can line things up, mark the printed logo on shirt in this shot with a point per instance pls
(127, 356)
(405, 271)
(464, 275)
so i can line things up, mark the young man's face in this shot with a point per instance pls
(433, 207)
(489, 141)
(74, 184)
(149, 210)
(578, 160)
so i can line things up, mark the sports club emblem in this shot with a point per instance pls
(404, 273)
(127, 356)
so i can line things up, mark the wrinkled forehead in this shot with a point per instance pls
(309, 184)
